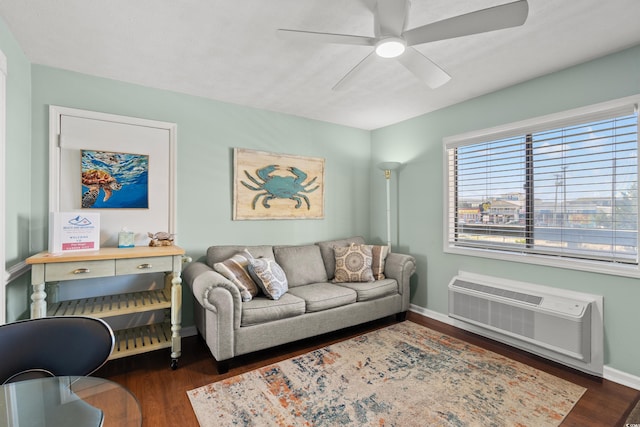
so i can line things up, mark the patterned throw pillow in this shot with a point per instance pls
(378, 256)
(235, 269)
(269, 276)
(353, 264)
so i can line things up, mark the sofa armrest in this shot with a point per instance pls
(221, 308)
(201, 278)
(401, 267)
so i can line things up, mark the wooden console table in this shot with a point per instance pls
(110, 262)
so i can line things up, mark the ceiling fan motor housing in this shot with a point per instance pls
(390, 47)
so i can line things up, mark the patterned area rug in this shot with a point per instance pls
(634, 417)
(402, 375)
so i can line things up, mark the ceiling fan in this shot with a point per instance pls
(392, 40)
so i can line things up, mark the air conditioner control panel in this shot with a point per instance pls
(564, 305)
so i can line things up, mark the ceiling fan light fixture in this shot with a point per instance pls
(390, 47)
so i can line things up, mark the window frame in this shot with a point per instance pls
(3, 193)
(536, 124)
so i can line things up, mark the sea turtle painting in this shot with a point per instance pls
(95, 180)
(107, 172)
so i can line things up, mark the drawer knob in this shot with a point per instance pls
(144, 266)
(81, 271)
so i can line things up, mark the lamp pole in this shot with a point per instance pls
(387, 167)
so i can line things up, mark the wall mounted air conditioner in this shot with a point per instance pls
(561, 325)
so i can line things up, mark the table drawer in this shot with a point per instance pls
(78, 270)
(144, 265)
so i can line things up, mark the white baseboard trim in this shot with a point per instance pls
(189, 331)
(620, 377)
(431, 314)
(609, 373)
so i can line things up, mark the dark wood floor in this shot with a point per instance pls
(164, 402)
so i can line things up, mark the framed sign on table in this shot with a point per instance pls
(277, 186)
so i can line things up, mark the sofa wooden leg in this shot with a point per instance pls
(223, 366)
(402, 316)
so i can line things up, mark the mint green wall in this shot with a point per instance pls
(207, 132)
(418, 143)
(17, 168)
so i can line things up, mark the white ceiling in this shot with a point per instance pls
(228, 50)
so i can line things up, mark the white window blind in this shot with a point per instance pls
(564, 188)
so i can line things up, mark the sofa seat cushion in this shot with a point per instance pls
(372, 290)
(323, 296)
(262, 309)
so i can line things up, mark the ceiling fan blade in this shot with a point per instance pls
(355, 71)
(494, 18)
(326, 37)
(423, 68)
(390, 17)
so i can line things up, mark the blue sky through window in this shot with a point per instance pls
(592, 160)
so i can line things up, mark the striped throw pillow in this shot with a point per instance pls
(378, 256)
(235, 269)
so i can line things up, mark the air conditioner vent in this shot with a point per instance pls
(504, 293)
(562, 325)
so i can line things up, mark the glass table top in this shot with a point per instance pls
(68, 401)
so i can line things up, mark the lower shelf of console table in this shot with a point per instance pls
(141, 339)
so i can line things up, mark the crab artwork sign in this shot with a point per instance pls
(277, 186)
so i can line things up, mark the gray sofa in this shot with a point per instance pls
(313, 305)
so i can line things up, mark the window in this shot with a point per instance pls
(555, 190)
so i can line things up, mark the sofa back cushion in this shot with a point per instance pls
(220, 253)
(301, 264)
(328, 255)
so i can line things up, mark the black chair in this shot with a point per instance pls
(53, 346)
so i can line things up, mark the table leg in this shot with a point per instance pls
(176, 318)
(38, 296)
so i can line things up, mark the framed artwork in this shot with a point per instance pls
(277, 186)
(112, 180)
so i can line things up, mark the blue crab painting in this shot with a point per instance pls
(272, 186)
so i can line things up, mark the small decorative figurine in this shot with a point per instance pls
(161, 238)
